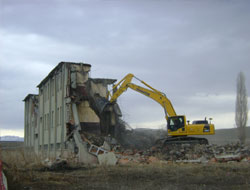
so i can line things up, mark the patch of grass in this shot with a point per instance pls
(16, 162)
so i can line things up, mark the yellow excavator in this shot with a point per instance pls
(179, 129)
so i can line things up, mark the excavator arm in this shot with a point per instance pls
(120, 87)
(150, 92)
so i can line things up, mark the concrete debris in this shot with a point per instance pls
(108, 159)
(188, 161)
(93, 138)
(196, 152)
(59, 165)
(47, 162)
(229, 157)
(56, 165)
(106, 146)
(187, 153)
(95, 150)
(110, 152)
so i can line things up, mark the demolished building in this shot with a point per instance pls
(68, 106)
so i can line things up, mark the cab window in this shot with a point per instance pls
(174, 123)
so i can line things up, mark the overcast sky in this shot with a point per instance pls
(190, 50)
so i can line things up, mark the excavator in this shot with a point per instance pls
(179, 129)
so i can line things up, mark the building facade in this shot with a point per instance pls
(56, 116)
(30, 120)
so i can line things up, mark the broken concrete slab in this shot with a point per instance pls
(203, 159)
(106, 146)
(227, 158)
(96, 150)
(56, 165)
(108, 159)
(188, 161)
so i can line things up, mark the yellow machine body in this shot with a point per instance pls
(185, 129)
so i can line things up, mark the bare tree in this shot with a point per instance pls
(241, 110)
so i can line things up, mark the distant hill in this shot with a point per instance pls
(223, 136)
(11, 138)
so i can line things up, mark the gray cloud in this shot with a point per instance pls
(191, 50)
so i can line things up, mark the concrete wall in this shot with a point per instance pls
(30, 120)
(55, 111)
(86, 114)
(51, 112)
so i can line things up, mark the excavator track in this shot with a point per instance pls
(181, 140)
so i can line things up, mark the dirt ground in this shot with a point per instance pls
(153, 176)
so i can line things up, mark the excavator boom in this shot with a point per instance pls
(152, 93)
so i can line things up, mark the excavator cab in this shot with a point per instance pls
(176, 122)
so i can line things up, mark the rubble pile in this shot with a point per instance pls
(205, 152)
(112, 154)
(187, 153)
(92, 138)
(139, 148)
